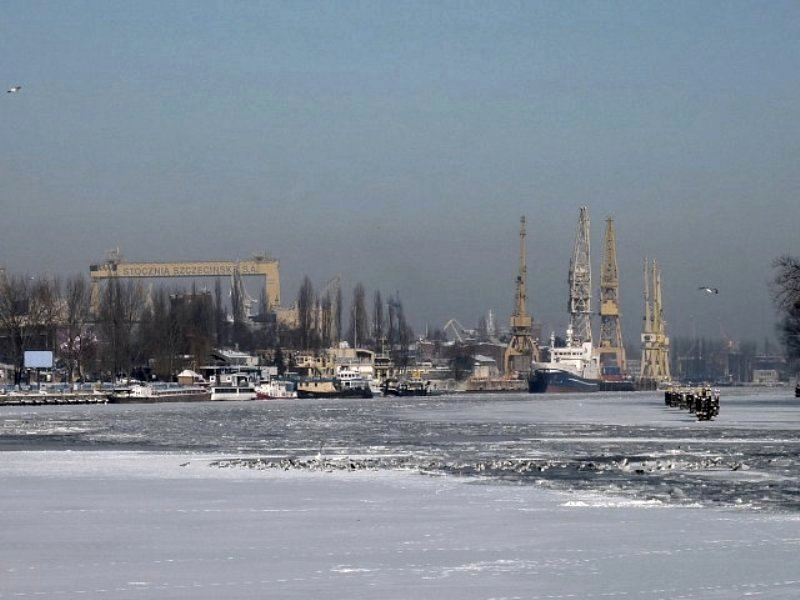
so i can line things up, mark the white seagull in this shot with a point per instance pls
(709, 290)
(14, 89)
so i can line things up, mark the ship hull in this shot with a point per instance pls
(624, 385)
(557, 381)
(342, 393)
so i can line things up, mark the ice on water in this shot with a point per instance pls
(471, 497)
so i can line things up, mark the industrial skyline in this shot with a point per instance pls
(398, 145)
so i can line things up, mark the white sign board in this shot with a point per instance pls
(38, 359)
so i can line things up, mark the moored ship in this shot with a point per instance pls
(159, 392)
(276, 389)
(347, 384)
(560, 381)
(573, 368)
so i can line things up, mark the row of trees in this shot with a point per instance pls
(320, 321)
(127, 327)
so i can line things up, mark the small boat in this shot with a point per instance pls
(392, 387)
(233, 392)
(236, 386)
(335, 387)
(158, 392)
(276, 389)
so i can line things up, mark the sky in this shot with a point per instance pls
(398, 144)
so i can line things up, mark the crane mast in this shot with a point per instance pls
(522, 348)
(655, 343)
(580, 283)
(611, 348)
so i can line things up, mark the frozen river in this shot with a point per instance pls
(484, 497)
(620, 443)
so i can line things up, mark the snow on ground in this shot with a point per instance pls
(97, 525)
(475, 497)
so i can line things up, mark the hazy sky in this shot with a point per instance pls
(399, 143)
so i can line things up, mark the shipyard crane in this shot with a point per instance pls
(611, 349)
(522, 349)
(580, 284)
(460, 334)
(114, 267)
(655, 343)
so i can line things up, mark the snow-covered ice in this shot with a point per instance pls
(126, 502)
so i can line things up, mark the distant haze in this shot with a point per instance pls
(399, 143)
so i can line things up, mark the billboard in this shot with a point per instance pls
(38, 359)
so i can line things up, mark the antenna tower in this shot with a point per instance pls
(580, 283)
(611, 350)
(655, 343)
(521, 349)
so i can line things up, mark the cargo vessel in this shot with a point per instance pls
(573, 368)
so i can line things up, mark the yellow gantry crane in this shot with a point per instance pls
(655, 343)
(522, 349)
(611, 349)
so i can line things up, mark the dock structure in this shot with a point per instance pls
(40, 399)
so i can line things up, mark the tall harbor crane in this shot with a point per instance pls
(522, 349)
(611, 349)
(655, 343)
(580, 283)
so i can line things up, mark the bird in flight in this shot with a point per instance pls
(709, 290)
(14, 89)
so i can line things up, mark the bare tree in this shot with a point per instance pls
(77, 337)
(359, 320)
(15, 298)
(378, 320)
(337, 316)
(305, 313)
(219, 314)
(120, 310)
(786, 292)
(399, 332)
(326, 321)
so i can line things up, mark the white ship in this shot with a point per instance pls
(572, 368)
